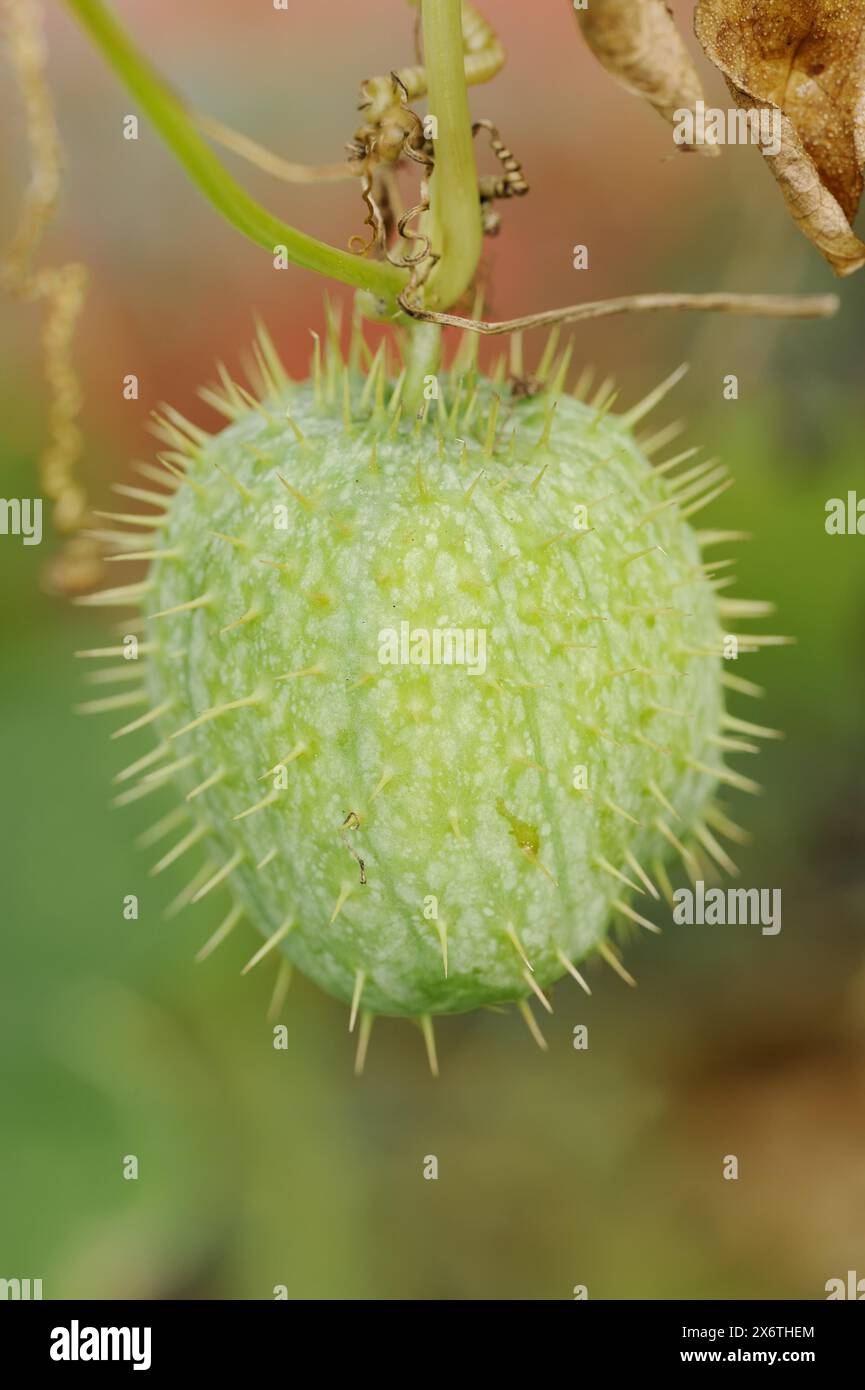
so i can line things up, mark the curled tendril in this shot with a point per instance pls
(512, 182)
(373, 219)
(408, 233)
(415, 146)
(373, 149)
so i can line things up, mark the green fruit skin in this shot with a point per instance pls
(463, 784)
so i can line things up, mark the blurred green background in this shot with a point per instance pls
(261, 1167)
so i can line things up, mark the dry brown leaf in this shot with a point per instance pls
(806, 58)
(638, 43)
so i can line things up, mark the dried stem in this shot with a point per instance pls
(820, 306)
(265, 159)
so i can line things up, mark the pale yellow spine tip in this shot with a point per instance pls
(359, 982)
(572, 970)
(614, 963)
(426, 1024)
(531, 1024)
(537, 991)
(366, 1021)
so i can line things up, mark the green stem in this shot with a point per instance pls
(422, 359)
(177, 129)
(455, 219)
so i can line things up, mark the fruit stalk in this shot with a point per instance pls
(422, 359)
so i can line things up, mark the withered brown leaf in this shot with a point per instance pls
(639, 45)
(805, 58)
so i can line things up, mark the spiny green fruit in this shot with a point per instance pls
(439, 690)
